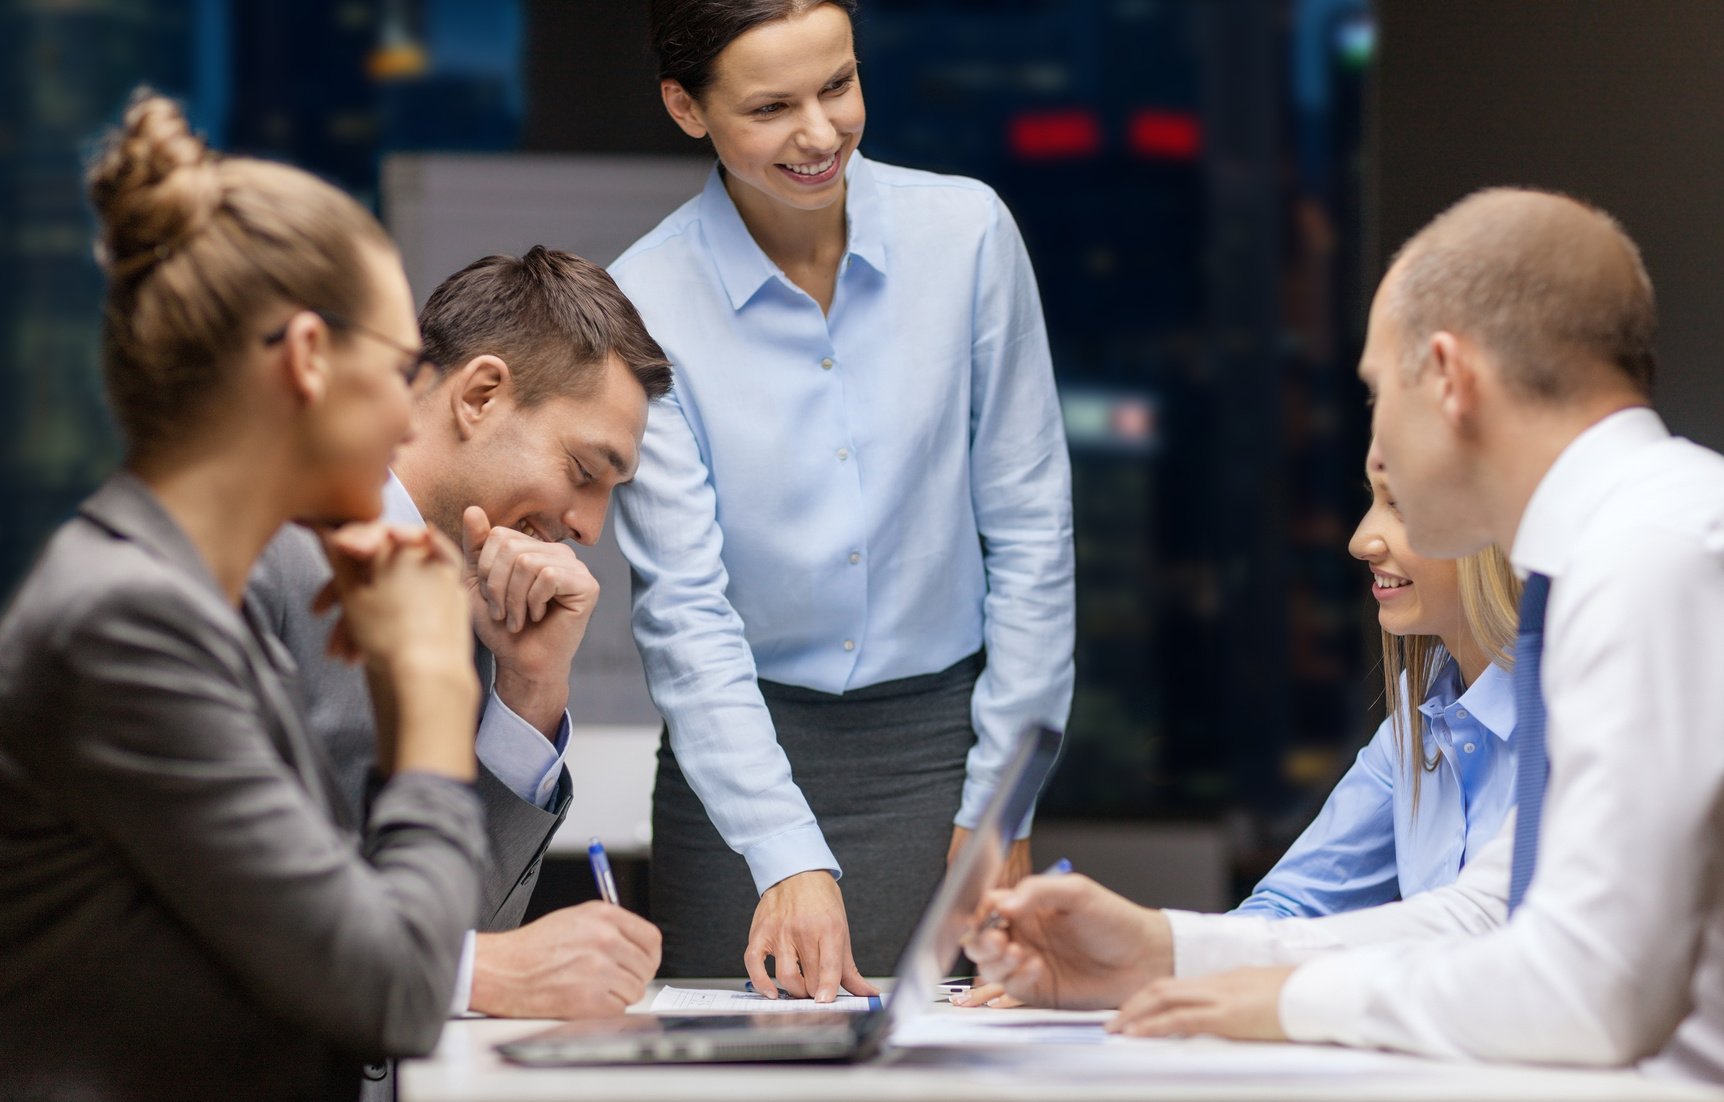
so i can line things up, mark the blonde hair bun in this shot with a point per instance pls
(154, 185)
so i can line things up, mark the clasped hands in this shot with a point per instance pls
(1067, 942)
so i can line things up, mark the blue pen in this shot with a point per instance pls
(601, 862)
(995, 920)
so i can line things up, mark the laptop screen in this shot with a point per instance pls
(934, 946)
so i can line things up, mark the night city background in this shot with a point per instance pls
(1188, 177)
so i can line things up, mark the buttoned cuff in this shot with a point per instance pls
(975, 801)
(1205, 943)
(463, 997)
(519, 755)
(800, 849)
(1325, 998)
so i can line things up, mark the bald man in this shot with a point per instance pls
(1510, 360)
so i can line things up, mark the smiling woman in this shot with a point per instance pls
(851, 533)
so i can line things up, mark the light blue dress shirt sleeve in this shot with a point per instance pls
(699, 666)
(1345, 860)
(1020, 486)
(519, 755)
(1372, 843)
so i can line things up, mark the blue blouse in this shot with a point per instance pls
(1368, 845)
(838, 499)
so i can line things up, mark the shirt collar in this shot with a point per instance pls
(1489, 700)
(744, 268)
(1568, 494)
(398, 507)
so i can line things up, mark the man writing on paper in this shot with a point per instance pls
(1510, 357)
(543, 378)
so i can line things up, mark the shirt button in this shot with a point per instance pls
(849, 644)
(855, 557)
(1460, 713)
(826, 363)
(1469, 747)
(843, 454)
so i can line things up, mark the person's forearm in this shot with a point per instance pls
(540, 701)
(432, 701)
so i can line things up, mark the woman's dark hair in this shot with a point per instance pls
(688, 35)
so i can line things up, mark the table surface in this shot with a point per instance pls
(465, 1068)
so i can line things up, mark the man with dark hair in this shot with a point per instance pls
(543, 375)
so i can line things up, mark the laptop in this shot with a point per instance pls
(819, 1035)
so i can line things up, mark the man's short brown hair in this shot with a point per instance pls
(553, 317)
(1537, 277)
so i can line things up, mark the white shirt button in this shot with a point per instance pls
(855, 557)
(1460, 713)
(849, 644)
(826, 363)
(1469, 747)
(843, 454)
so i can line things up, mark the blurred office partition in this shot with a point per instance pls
(447, 210)
(1620, 102)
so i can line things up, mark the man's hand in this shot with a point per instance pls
(1243, 1004)
(800, 924)
(579, 962)
(1065, 941)
(531, 601)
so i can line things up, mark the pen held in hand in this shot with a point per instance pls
(995, 919)
(602, 877)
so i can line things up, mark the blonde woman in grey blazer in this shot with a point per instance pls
(187, 909)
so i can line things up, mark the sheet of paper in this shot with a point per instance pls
(695, 1000)
(982, 1028)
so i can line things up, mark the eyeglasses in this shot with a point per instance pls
(416, 361)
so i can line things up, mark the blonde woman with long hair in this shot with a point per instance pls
(1426, 794)
(1432, 786)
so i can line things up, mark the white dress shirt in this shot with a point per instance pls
(516, 752)
(837, 499)
(1617, 953)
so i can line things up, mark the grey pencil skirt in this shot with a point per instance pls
(883, 770)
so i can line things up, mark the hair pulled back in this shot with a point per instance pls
(688, 35)
(196, 247)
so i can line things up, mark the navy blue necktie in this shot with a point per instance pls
(1531, 765)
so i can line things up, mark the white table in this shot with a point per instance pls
(465, 1068)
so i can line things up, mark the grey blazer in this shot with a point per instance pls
(185, 908)
(338, 707)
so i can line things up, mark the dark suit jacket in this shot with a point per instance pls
(338, 704)
(185, 911)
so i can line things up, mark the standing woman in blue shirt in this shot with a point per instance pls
(851, 532)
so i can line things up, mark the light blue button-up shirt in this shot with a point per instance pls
(1369, 845)
(833, 500)
(515, 751)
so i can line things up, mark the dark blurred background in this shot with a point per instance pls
(1207, 188)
